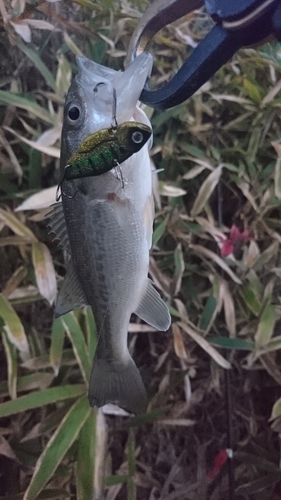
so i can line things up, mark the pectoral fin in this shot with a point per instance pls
(56, 223)
(153, 310)
(71, 295)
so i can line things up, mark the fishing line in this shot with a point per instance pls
(227, 379)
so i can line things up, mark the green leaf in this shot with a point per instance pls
(273, 345)
(13, 326)
(229, 343)
(41, 398)
(276, 409)
(55, 494)
(253, 90)
(57, 340)
(265, 326)
(159, 231)
(179, 269)
(277, 178)
(91, 332)
(77, 338)
(11, 357)
(208, 312)
(57, 447)
(63, 76)
(116, 479)
(38, 63)
(27, 104)
(146, 418)
(39, 380)
(35, 169)
(193, 150)
(85, 467)
(251, 299)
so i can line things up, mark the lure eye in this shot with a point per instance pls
(73, 113)
(137, 137)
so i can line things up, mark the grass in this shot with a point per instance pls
(221, 157)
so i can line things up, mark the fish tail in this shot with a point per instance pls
(118, 383)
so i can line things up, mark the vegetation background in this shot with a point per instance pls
(214, 378)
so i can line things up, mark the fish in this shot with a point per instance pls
(106, 229)
(103, 150)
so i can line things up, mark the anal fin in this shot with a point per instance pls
(153, 310)
(71, 295)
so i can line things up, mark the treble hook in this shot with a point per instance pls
(119, 174)
(58, 196)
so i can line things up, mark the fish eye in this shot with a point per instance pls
(73, 113)
(137, 137)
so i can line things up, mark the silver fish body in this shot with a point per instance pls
(107, 228)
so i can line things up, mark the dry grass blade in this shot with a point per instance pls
(15, 280)
(205, 252)
(160, 280)
(12, 156)
(213, 353)
(179, 346)
(6, 449)
(16, 226)
(48, 150)
(37, 201)
(44, 271)
(170, 191)
(13, 326)
(277, 173)
(229, 309)
(206, 190)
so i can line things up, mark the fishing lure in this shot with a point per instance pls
(105, 150)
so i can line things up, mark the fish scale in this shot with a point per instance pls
(107, 234)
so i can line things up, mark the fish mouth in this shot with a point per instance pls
(99, 84)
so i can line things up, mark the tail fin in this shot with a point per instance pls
(117, 383)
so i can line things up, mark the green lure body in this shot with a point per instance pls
(105, 149)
